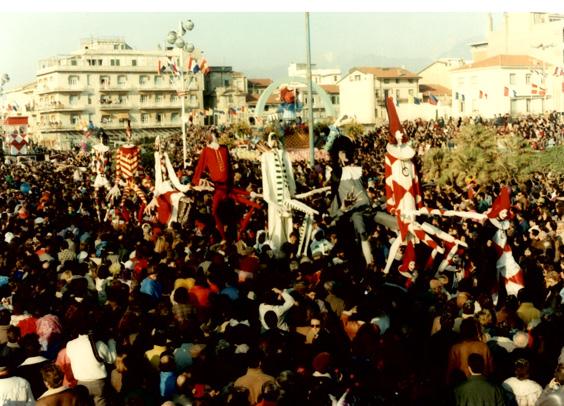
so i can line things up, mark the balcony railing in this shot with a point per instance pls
(58, 106)
(60, 89)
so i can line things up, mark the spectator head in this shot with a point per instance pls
(476, 364)
(238, 396)
(30, 345)
(5, 317)
(469, 330)
(559, 373)
(52, 375)
(270, 391)
(271, 319)
(522, 368)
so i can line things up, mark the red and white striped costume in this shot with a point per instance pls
(506, 265)
(127, 167)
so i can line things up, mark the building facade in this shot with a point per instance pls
(505, 84)
(109, 83)
(363, 91)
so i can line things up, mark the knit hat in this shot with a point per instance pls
(321, 362)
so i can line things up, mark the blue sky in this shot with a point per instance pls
(259, 44)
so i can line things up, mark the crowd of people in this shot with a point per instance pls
(138, 313)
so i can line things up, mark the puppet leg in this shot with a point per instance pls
(392, 254)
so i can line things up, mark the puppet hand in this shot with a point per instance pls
(113, 193)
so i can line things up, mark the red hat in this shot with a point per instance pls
(408, 256)
(322, 362)
(394, 123)
(502, 202)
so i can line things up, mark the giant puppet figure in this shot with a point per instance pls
(349, 198)
(403, 195)
(214, 159)
(99, 166)
(169, 203)
(126, 171)
(499, 215)
(279, 191)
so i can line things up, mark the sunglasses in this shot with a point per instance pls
(315, 325)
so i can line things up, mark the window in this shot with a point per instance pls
(335, 99)
(144, 118)
(410, 92)
(335, 78)
(116, 46)
(377, 94)
(114, 62)
(134, 62)
(158, 80)
(175, 117)
(73, 80)
(73, 100)
(173, 98)
(159, 118)
(73, 62)
(121, 99)
(386, 80)
(88, 80)
(410, 80)
(122, 80)
(528, 106)
(143, 80)
(512, 79)
(397, 93)
(75, 119)
(397, 80)
(158, 98)
(104, 82)
(99, 62)
(89, 99)
(528, 78)
(356, 77)
(144, 99)
(106, 119)
(226, 82)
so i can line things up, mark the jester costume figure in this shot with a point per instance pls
(214, 159)
(126, 172)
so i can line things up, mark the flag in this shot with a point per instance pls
(159, 67)
(514, 93)
(417, 100)
(463, 98)
(542, 91)
(196, 67)
(232, 111)
(481, 94)
(506, 91)
(456, 96)
(534, 89)
(190, 62)
(410, 99)
(397, 101)
(556, 71)
(433, 100)
(204, 65)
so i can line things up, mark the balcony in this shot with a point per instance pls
(60, 89)
(60, 107)
(115, 88)
(115, 106)
(159, 106)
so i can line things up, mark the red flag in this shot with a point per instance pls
(159, 67)
(534, 89)
(506, 91)
(542, 92)
(189, 66)
(481, 94)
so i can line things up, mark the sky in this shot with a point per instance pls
(258, 44)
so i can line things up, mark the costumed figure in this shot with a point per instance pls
(288, 104)
(214, 159)
(349, 198)
(499, 215)
(403, 195)
(279, 191)
(99, 166)
(169, 201)
(126, 171)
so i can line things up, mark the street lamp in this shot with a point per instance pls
(175, 38)
(543, 47)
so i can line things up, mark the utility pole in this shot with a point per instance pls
(310, 94)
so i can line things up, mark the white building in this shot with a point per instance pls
(438, 72)
(505, 84)
(108, 82)
(364, 89)
(330, 76)
(540, 35)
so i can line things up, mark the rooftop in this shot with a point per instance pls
(505, 61)
(392, 72)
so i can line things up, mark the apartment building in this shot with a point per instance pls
(108, 83)
(363, 91)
